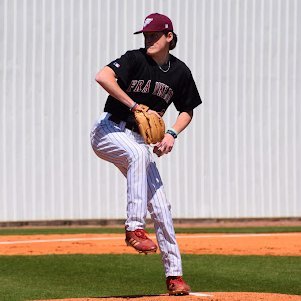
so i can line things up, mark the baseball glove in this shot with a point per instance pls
(151, 126)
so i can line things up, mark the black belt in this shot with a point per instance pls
(129, 125)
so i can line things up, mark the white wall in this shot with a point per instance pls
(239, 158)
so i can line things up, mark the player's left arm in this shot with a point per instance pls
(182, 121)
(166, 145)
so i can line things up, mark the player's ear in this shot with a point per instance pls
(169, 36)
(173, 42)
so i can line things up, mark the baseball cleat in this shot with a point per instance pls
(140, 242)
(176, 286)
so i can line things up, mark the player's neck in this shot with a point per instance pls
(161, 59)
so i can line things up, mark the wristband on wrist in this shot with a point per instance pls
(172, 132)
(133, 106)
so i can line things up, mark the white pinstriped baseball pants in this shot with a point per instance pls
(127, 150)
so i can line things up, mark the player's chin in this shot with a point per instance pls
(151, 51)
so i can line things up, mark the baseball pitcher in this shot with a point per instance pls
(142, 84)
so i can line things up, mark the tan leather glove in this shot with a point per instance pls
(151, 126)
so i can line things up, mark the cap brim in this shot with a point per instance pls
(150, 30)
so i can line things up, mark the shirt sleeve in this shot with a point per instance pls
(189, 98)
(123, 66)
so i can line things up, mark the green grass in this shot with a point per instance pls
(99, 230)
(62, 276)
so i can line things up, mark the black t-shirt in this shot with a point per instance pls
(141, 78)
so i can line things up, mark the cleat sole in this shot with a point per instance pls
(179, 293)
(139, 251)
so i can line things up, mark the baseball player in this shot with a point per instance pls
(155, 78)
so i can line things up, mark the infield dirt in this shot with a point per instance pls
(278, 244)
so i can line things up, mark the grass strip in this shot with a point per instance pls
(75, 276)
(103, 230)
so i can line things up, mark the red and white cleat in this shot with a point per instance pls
(176, 286)
(140, 241)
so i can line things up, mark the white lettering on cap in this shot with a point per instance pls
(166, 25)
(147, 21)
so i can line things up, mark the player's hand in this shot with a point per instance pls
(153, 112)
(165, 146)
(137, 108)
(157, 151)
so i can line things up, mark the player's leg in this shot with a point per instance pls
(127, 151)
(160, 210)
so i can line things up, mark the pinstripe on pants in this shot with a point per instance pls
(127, 150)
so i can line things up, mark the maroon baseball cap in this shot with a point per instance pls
(156, 22)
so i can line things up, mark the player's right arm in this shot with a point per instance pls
(106, 77)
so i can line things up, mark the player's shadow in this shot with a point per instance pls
(127, 296)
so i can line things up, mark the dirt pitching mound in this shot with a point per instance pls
(197, 297)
